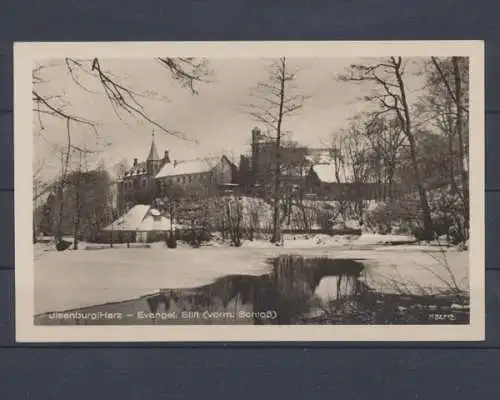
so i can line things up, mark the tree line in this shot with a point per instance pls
(415, 144)
(412, 143)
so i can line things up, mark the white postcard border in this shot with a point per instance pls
(26, 53)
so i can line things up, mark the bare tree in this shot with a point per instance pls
(448, 104)
(275, 100)
(120, 168)
(338, 157)
(172, 196)
(254, 211)
(65, 164)
(187, 71)
(198, 209)
(233, 217)
(357, 154)
(387, 139)
(78, 203)
(391, 96)
(352, 154)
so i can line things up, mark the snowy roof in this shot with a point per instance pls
(319, 156)
(326, 173)
(188, 167)
(131, 220)
(142, 218)
(157, 222)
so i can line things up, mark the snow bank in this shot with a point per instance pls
(374, 239)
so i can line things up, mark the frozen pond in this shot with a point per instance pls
(243, 286)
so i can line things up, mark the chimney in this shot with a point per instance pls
(135, 162)
(175, 163)
(166, 157)
(255, 135)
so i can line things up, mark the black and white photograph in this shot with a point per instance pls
(285, 191)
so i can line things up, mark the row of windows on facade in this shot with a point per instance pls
(178, 179)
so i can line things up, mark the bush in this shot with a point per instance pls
(448, 215)
(171, 241)
(63, 245)
(392, 218)
(195, 237)
(403, 216)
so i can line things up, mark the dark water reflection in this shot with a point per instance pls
(297, 290)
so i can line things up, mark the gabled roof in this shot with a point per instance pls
(188, 167)
(131, 220)
(142, 218)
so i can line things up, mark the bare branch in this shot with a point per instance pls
(446, 83)
(57, 112)
(70, 63)
(188, 71)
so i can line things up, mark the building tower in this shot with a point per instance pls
(256, 139)
(153, 162)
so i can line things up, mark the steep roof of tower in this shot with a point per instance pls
(153, 153)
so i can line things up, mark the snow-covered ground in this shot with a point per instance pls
(321, 240)
(74, 279)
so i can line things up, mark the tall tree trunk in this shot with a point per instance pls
(456, 95)
(424, 203)
(276, 238)
(303, 209)
(77, 215)
(459, 125)
(62, 184)
(60, 197)
(77, 207)
(390, 179)
(171, 221)
(428, 233)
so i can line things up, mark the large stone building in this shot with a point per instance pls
(310, 170)
(258, 169)
(149, 179)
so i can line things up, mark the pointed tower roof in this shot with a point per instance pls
(153, 153)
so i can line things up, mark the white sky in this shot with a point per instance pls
(214, 118)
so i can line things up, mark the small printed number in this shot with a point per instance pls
(442, 317)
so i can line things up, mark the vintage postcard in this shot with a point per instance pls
(250, 191)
